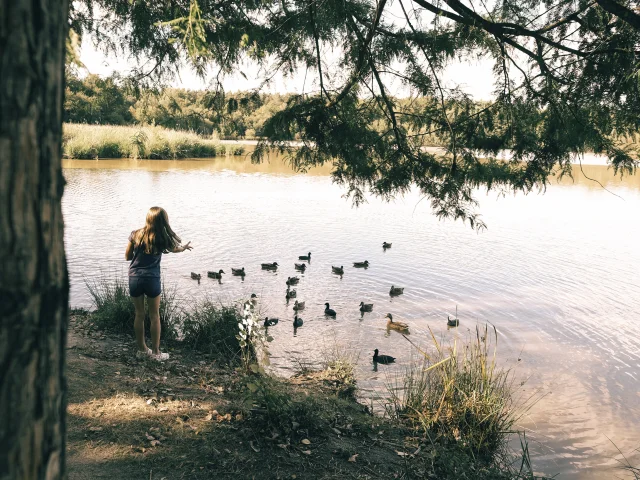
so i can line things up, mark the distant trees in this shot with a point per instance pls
(111, 101)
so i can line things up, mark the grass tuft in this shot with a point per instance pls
(114, 310)
(459, 396)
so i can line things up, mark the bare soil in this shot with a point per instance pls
(132, 418)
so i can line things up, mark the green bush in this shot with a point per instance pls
(212, 328)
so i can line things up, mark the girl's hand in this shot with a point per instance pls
(187, 246)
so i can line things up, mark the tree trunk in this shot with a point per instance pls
(34, 286)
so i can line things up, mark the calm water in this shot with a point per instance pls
(557, 274)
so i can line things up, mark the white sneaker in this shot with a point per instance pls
(160, 357)
(141, 354)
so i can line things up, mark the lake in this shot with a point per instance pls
(555, 273)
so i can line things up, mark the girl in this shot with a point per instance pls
(145, 250)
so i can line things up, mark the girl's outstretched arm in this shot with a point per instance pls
(128, 255)
(182, 248)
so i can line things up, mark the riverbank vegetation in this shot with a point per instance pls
(81, 141)
(209, 409)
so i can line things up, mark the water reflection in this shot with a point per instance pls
(556, 274)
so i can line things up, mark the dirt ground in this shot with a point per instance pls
(187, 418)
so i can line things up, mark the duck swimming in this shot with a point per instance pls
(270, 266)
(216, 275)
(293, 280)
(329, 312)
(196, 276)
(297, 321)
(366, 307)
(298, 306)
(384, 359)
(238, 272)
(399, 326)
(396, 290)
(300, 267)
(364, 264)
(291, 293)
(452, 322)
(305, 257)
(386, 245)
(338, 270)
(270, 322)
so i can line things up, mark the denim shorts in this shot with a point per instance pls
(149, 286)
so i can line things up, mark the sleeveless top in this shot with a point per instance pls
(143, 264)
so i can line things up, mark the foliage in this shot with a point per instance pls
(212, 328)
(102, 141)
(459, 396)
(565, 76)
(114, 310)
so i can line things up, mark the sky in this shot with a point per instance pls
(474, 77)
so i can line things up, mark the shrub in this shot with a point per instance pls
(213, 328)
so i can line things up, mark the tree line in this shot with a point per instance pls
(111, 101)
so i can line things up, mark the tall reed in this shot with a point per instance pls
(82, 141)
(458, 395)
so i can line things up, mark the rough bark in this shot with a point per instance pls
(33, 274)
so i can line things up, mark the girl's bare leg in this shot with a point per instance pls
(138, 324)
(154, 317)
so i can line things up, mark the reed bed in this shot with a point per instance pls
(92, 142)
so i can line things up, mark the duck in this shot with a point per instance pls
(386, 245)
(297, 321)
(338, 270)
(364, 264)
(452, 322)
(291, 293)
(293, 280)
(384, 359)
(396, 290)
(329, 312)
(238, 271)
(270, 266)
(399, 326)
(301, 267)
(196, 276)
(254, 298)
(306, 257)
(270, 322)
(366, 307)
(217, 275)
(298, 306)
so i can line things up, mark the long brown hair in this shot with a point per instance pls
(157, 235)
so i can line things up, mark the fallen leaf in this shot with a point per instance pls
(352, 458)
(239, 417)
(208, 418)
(150, 437)
(306, 452)
(117, 373)
(150, 401)
(401, 454)
(337, 432)
(282, 445)
(155, 442)
(305, 441)
(163, 409)
(253, 447)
